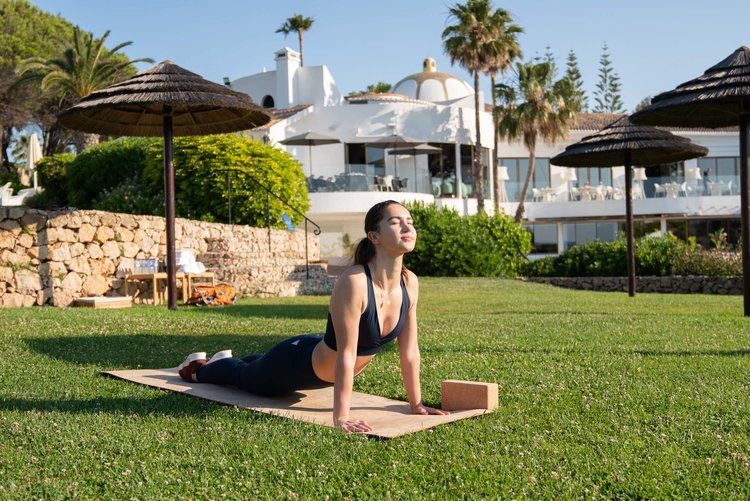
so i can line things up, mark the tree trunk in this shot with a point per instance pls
(526, 184)
(496, 181)
(6, 133)
(478, 170)
(301, 50)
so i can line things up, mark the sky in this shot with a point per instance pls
(654, 45)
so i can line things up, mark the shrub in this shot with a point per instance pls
(654, 256)
(52, 176)
(478, 245)
(201, 183)
(703, 262)
(131, 196)
(105, 166)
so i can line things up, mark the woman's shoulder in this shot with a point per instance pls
(352, 276)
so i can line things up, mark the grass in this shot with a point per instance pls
(601, 395)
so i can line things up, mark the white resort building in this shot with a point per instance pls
(564, 207)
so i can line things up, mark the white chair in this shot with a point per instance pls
(659, 190)
(388, 182)
(730, 188)
(536, 195)
(574, 193)
(5, 192)
(683, 189)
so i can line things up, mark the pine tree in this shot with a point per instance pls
(549, 58)
(573, 73)
(607, 94)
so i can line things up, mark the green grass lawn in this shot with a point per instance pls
(601, 395)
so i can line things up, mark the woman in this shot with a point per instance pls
(374, 302)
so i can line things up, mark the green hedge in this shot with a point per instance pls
(479, 245)
(127, 175)
(654, 256)
(201, 183)
(52, 174)
(104, 167)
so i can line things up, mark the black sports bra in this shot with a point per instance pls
(370, 340)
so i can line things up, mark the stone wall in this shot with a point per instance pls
(58, 256)
(677, 285)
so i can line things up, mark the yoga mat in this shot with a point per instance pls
(389, 418)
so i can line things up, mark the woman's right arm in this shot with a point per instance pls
(347, 304)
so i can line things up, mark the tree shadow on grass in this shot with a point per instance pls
(153, 351)
(163, 404)
(292, 311)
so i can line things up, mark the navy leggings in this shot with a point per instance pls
(286, 367)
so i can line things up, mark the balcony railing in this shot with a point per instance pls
(665, 187)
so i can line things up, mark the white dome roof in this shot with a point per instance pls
(432, 85)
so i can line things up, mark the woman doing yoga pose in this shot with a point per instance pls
(373, 302)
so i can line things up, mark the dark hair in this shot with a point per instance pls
(365, 250)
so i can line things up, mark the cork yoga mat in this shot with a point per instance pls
(389, 418)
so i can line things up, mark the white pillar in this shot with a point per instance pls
(560, 238)
(663, 225)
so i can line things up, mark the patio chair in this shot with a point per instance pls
(683, 189)
(730, 188)
(536, 195)
(388, 183)
(574, 194)
(659, 190)
(447, 188)
(400, 183)
(5, 192)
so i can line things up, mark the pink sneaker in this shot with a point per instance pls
(190, 365)
(188, 372)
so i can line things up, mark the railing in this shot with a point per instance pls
(654, 187)
(269, 194)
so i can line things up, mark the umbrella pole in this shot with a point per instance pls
(745, 202)
(169, 208)
(629, 224)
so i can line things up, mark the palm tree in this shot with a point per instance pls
(85, 65)
(465, 42)
(534, 107)
(500, 52)
(300, 24)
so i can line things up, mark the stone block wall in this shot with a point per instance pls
(54, 257)
(673, 285)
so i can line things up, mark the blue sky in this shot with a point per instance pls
(654, 45)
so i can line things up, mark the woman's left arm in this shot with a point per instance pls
(408, 348)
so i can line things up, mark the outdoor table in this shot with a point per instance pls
(673, 189)
(718, 188)
(548, 194)
(159, 294)
(588, 193)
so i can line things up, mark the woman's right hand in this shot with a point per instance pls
(353, 425)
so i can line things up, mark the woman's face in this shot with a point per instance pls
(395, 231)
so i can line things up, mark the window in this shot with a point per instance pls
(267, 102)
(364, 159)
(594, 176)
(517, 171)
(544, 238)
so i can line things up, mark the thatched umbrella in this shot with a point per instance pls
(310, 139)
(718, 98)
(622, 143)
(167, 101)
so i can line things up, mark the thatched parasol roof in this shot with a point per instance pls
(135, 107)
(714, 99)
(647, 146)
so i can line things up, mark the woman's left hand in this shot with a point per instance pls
(424, 410)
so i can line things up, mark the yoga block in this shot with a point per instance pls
(462, 395)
